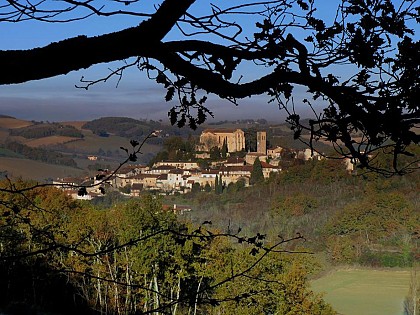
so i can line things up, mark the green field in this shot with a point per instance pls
(365, 292)
(8, 153)
(91, 144)
(29, 169)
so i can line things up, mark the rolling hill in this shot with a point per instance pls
(71, 142)
(38, 150)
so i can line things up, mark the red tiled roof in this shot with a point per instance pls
(165, 167)
(137, 186)
(232, 160)
(176, 171)
(210, 172)
(266, 165)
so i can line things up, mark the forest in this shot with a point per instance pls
(65, 256)
(250, 250)
(132, 128)
(361, 219)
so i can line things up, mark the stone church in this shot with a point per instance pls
(235, 139)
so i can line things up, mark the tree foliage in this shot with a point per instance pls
(41, 130)
(361, 63)
(40, 154)
(137, 258)
(256, 173)
(224, 149)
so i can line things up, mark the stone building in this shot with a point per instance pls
(235, 139)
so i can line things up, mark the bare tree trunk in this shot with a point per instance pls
(156, 288)
(128, 287)
(177, 295)
(146, 309)
(196, 295)
(113, 273)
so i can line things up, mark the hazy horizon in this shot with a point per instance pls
(57, 99)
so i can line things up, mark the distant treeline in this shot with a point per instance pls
(133, 128)
(240, 121)
(45, 130)
(42, 130)
(121, 126)
(40, 154)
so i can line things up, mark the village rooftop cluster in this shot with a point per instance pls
(169, 177)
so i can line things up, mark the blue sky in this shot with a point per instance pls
(57, 99)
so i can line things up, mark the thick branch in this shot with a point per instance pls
(215, 83)
(18, 66)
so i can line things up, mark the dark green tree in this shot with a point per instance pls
(207, 187)
(196, 188)
(257, 173)
(215, 153)
(218, 188)
(221, 186)
(224, 149)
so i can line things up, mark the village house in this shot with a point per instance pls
(149, 182)
(130, 170)
(232, 174)
(234, 161)
(308, 154)
(74, 194)
(162, 183)
(207, 177)
(178, 165)
(267, 169)
(130, 180)
(175, 179)
(69, 183)
(136, 189)
(275, 152)
(194, 177)
(250, 157)
(162, 169)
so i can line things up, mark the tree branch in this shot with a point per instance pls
(18, 66)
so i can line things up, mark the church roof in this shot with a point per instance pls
(221, 130)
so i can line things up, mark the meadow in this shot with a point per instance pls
(92, 143)
(365, 291)
(30, 169)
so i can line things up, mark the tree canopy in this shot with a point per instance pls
(257, 173)
(361, 63)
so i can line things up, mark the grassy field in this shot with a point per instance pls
(364, 291)
(51, 140)
(91, 144)
(76, 124)
(11, 123)
(28, 169)
(10, 154)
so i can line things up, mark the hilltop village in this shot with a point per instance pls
(169, 177)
